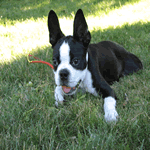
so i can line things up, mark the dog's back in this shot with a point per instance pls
(113, 60)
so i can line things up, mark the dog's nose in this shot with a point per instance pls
(64, 73)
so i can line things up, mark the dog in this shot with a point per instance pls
(92, 67)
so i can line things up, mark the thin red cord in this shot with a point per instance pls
(40, 61)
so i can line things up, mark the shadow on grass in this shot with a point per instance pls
(22, 10)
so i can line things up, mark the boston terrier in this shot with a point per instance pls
(92, 67)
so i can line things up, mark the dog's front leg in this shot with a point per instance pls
(109, 102)
(100, 87)
(110, 109)
(59, 96)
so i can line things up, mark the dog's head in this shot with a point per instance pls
(70, 57)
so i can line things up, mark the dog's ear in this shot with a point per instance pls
(55, 32)
(81, 32)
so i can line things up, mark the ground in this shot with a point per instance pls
(29, 119)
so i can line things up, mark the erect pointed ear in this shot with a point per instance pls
(81, 32)
(55, 32)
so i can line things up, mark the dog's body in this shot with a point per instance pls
(90, 67)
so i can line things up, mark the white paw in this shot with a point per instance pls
(58, 102)
(59, 97)
(111, 115)
(110, 110)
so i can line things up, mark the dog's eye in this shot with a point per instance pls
(55, 62)
(75, 61)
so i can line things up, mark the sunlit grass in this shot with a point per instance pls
(24, 36)
(130, 13)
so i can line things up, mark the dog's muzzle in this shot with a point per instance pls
(70, 90)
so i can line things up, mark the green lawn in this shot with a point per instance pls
(28, 117)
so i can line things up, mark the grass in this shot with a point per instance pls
(28, 117)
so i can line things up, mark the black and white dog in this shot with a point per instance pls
(90, 67)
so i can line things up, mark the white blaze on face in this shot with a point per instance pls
(64, 60)
(64, 53)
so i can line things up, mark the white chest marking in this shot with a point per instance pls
(88, 84)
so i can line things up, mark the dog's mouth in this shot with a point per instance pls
(70, 90)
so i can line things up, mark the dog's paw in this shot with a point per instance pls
(110, 110)
(59, 97)
(111, 115)
(58, 102)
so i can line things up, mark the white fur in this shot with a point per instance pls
(87, 84)
(59, 96)
(64, 58)
(109, 109)
(87, 57)
(64, 53)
